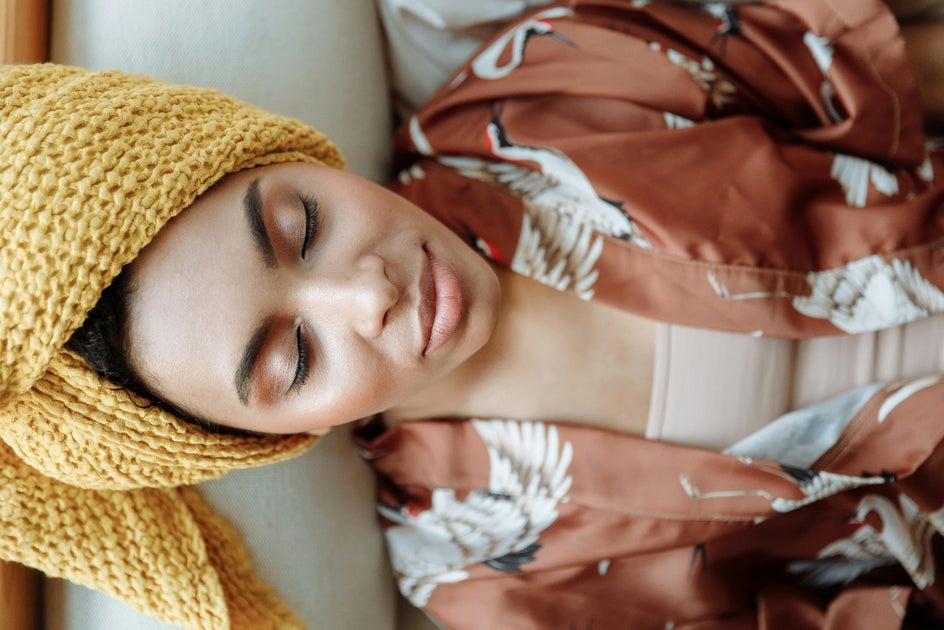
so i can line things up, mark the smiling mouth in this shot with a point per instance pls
(440, 302)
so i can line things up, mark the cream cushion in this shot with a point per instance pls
(318, 60)
(310, 523)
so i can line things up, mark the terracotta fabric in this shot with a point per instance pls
(757, 169)
(743, 189)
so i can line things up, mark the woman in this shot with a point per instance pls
(304, 298)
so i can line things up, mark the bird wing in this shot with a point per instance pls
(844, 560)
(837, 571)
(918, 290)
(499, 525)
(521, 181)
(553, 248)
(528, 468)
(869, 294)
(558, 251)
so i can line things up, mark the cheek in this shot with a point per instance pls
(362, 384)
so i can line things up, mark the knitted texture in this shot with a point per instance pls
(92, 165)
(161, 550)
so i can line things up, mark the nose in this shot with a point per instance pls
(359, 296)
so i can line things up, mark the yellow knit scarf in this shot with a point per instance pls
(92, 484)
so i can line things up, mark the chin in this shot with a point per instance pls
(485, 310)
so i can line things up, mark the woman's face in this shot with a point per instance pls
(295, 297)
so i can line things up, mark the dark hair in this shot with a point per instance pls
(102, 341)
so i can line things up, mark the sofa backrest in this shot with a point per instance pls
(309, 524)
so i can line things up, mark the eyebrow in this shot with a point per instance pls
(252, 203)
(247, 364)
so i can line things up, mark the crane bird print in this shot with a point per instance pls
(487, 64)
(499, 526)
(854, 175)
(867, 294)
(821, 49)
(813, 484)
(563, 217)
(870, 294)
(904, 537)
(703, 72)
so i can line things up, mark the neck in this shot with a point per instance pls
(551, 357)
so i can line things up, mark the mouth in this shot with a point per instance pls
(440, 302)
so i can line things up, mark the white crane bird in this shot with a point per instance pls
(499, 526)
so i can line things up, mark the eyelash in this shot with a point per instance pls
(312, 221)
(301, 370)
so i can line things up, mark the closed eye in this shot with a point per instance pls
(312, 220)
(304, 363)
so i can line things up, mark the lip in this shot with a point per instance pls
(440, 302)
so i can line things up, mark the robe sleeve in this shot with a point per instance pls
(751, 168)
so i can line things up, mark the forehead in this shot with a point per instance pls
(191, 305)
